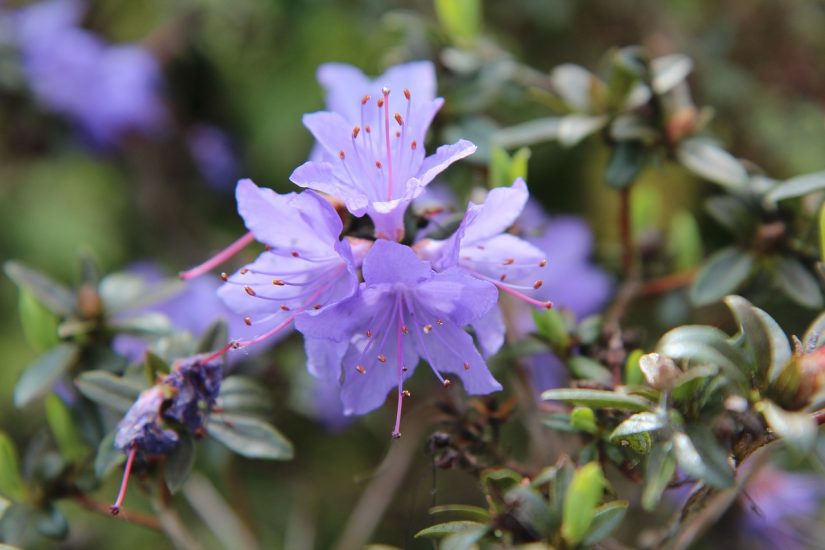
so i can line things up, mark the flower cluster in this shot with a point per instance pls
(184, 397)
(372, 306)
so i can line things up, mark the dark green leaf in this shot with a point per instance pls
(550, 325)
(703, 344)
(723, 273)
(108, 457)
(250, 437)
(732, 214)
(701, 457)
(573, 84)
(124, 291)
(606, 518)
(11, 483)
(661, 465)
(64, 429)
(580, 502)
(474, 512)
(530, 509)
(244, 395)
(626, 162)
(39, 324)
(798, 283)
(781, 351)
(597, 399)
(797, 187)
(105, 388)
(179, 463)
(584, 368)
(443, 529)
(52, 523)
(51, 294)
(574, 128)
(39, 377)
(463, 541)
(638, 423)
(797, 429)
(707, 160)
(754, 331)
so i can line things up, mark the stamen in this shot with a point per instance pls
(378, 164)
(360, 369)
(407, 93)
(355, 132)
(284, 307)
(369, 334)
(244, 271)
(224, 276)
(447, 382)
(509, 261)
(406, 393)
(127, 471)
(405, 329)
(365, 99)
(413, 145)
(382, 358)
(399, 119)
(537, 284)
(399, 357)
(427, 328)
(247, 321)
(219, 258)
(386, 92)
(249, 290)
(341, 154)
(542, 263)
(503, 277)
(512, 292)
(278, 282)
(466, 365)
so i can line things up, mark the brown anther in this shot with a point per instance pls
(224, 277)
(466, 366)
(369, 334)
(413, 145)
(365, 99)
(236, 345)
(284, 307)
(378, 164)
(247, 321)
(439, 322)
(447, 383)
(407, 93)
(548, 304)
(542, 263)
(244, 271)
(537, 284)
(503, 277)
(380, 102)
(341, 154)
(367, 129)
(396, 435)
(355, 132)
(360, 369)
(278, 282)
(404, 369)
(406, 393)
(427, 329)
(267, 248)
(294, 253)
(405, 329)
(397, 134)
(399, 119)
(249, 290)
(509, 261)
(382, 358)
(316, 306)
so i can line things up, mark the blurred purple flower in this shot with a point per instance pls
(196, 386)
(214, 155)
(141, 428)
(374, 166)
(106, 90)
(403, 312)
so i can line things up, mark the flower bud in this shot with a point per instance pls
(660, 371)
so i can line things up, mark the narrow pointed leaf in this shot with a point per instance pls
(797, 429)
(51, 294)
(709, 161)
(105, 388)
(606, 518)
(250, 437)
(797, 187)
(722, 274)
(661, 465)
(798, 283)
(443, 529)
(179, 463)
(38, 378)
(597, 399)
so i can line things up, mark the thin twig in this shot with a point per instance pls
(130, 517)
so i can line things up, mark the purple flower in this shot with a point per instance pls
(377, 165)
(482, 247)
(142, 428)
(403, 312)
(214, 155)
(196, 386)
(106, 90)
(777, 506)
(306, 266)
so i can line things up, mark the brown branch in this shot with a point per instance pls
(665, 284)
(131, 517)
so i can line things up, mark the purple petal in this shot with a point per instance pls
(321, 177)
(456, 295)
(490, 331)
(393, 263)
(500, 210)
(345, 86)
(442, 158)
(324, 358)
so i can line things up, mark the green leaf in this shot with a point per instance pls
(39, 377)
(11, 483)
(250, 437)
(797, 283)
(701, 457)
(730, 212)
(51, 294)
(443, 529)
(108, 457)
(5, 504)
(781, 352)
(125, 291)
(574, 128)
(550, 325)
(580, 502)
(627, 160)
(669, 71)
(632, 373)
(474, 512)
(797, 429)
(179, 463)
(597, 399)
(584, 368)
(39, 323)
(244, 395)
(815, 333)
(639, 423)
(461, 19)
(529, 508)
(528, 133)
(703, 344)
(465, 540)
(797, 187)
(216, 336)
(661, 465)
(65, 432)
(52, 523)
(584, 420)
(753, 329)
(707, 160)
(146, 324)
(606, 518)
(685, 241)
(107, 389)
(573, 83)
(723, 273)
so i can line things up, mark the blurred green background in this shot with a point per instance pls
(248, 66)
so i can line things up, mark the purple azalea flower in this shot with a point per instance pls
(196, 386)
(141, 427)
(403, 312)
(106, 90)
(305, 268)
(777, 506)
(375, 166)
(214, 155)
(482, 247)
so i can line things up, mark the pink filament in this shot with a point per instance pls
(219, 258)
(115, 508)
(387, 142)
